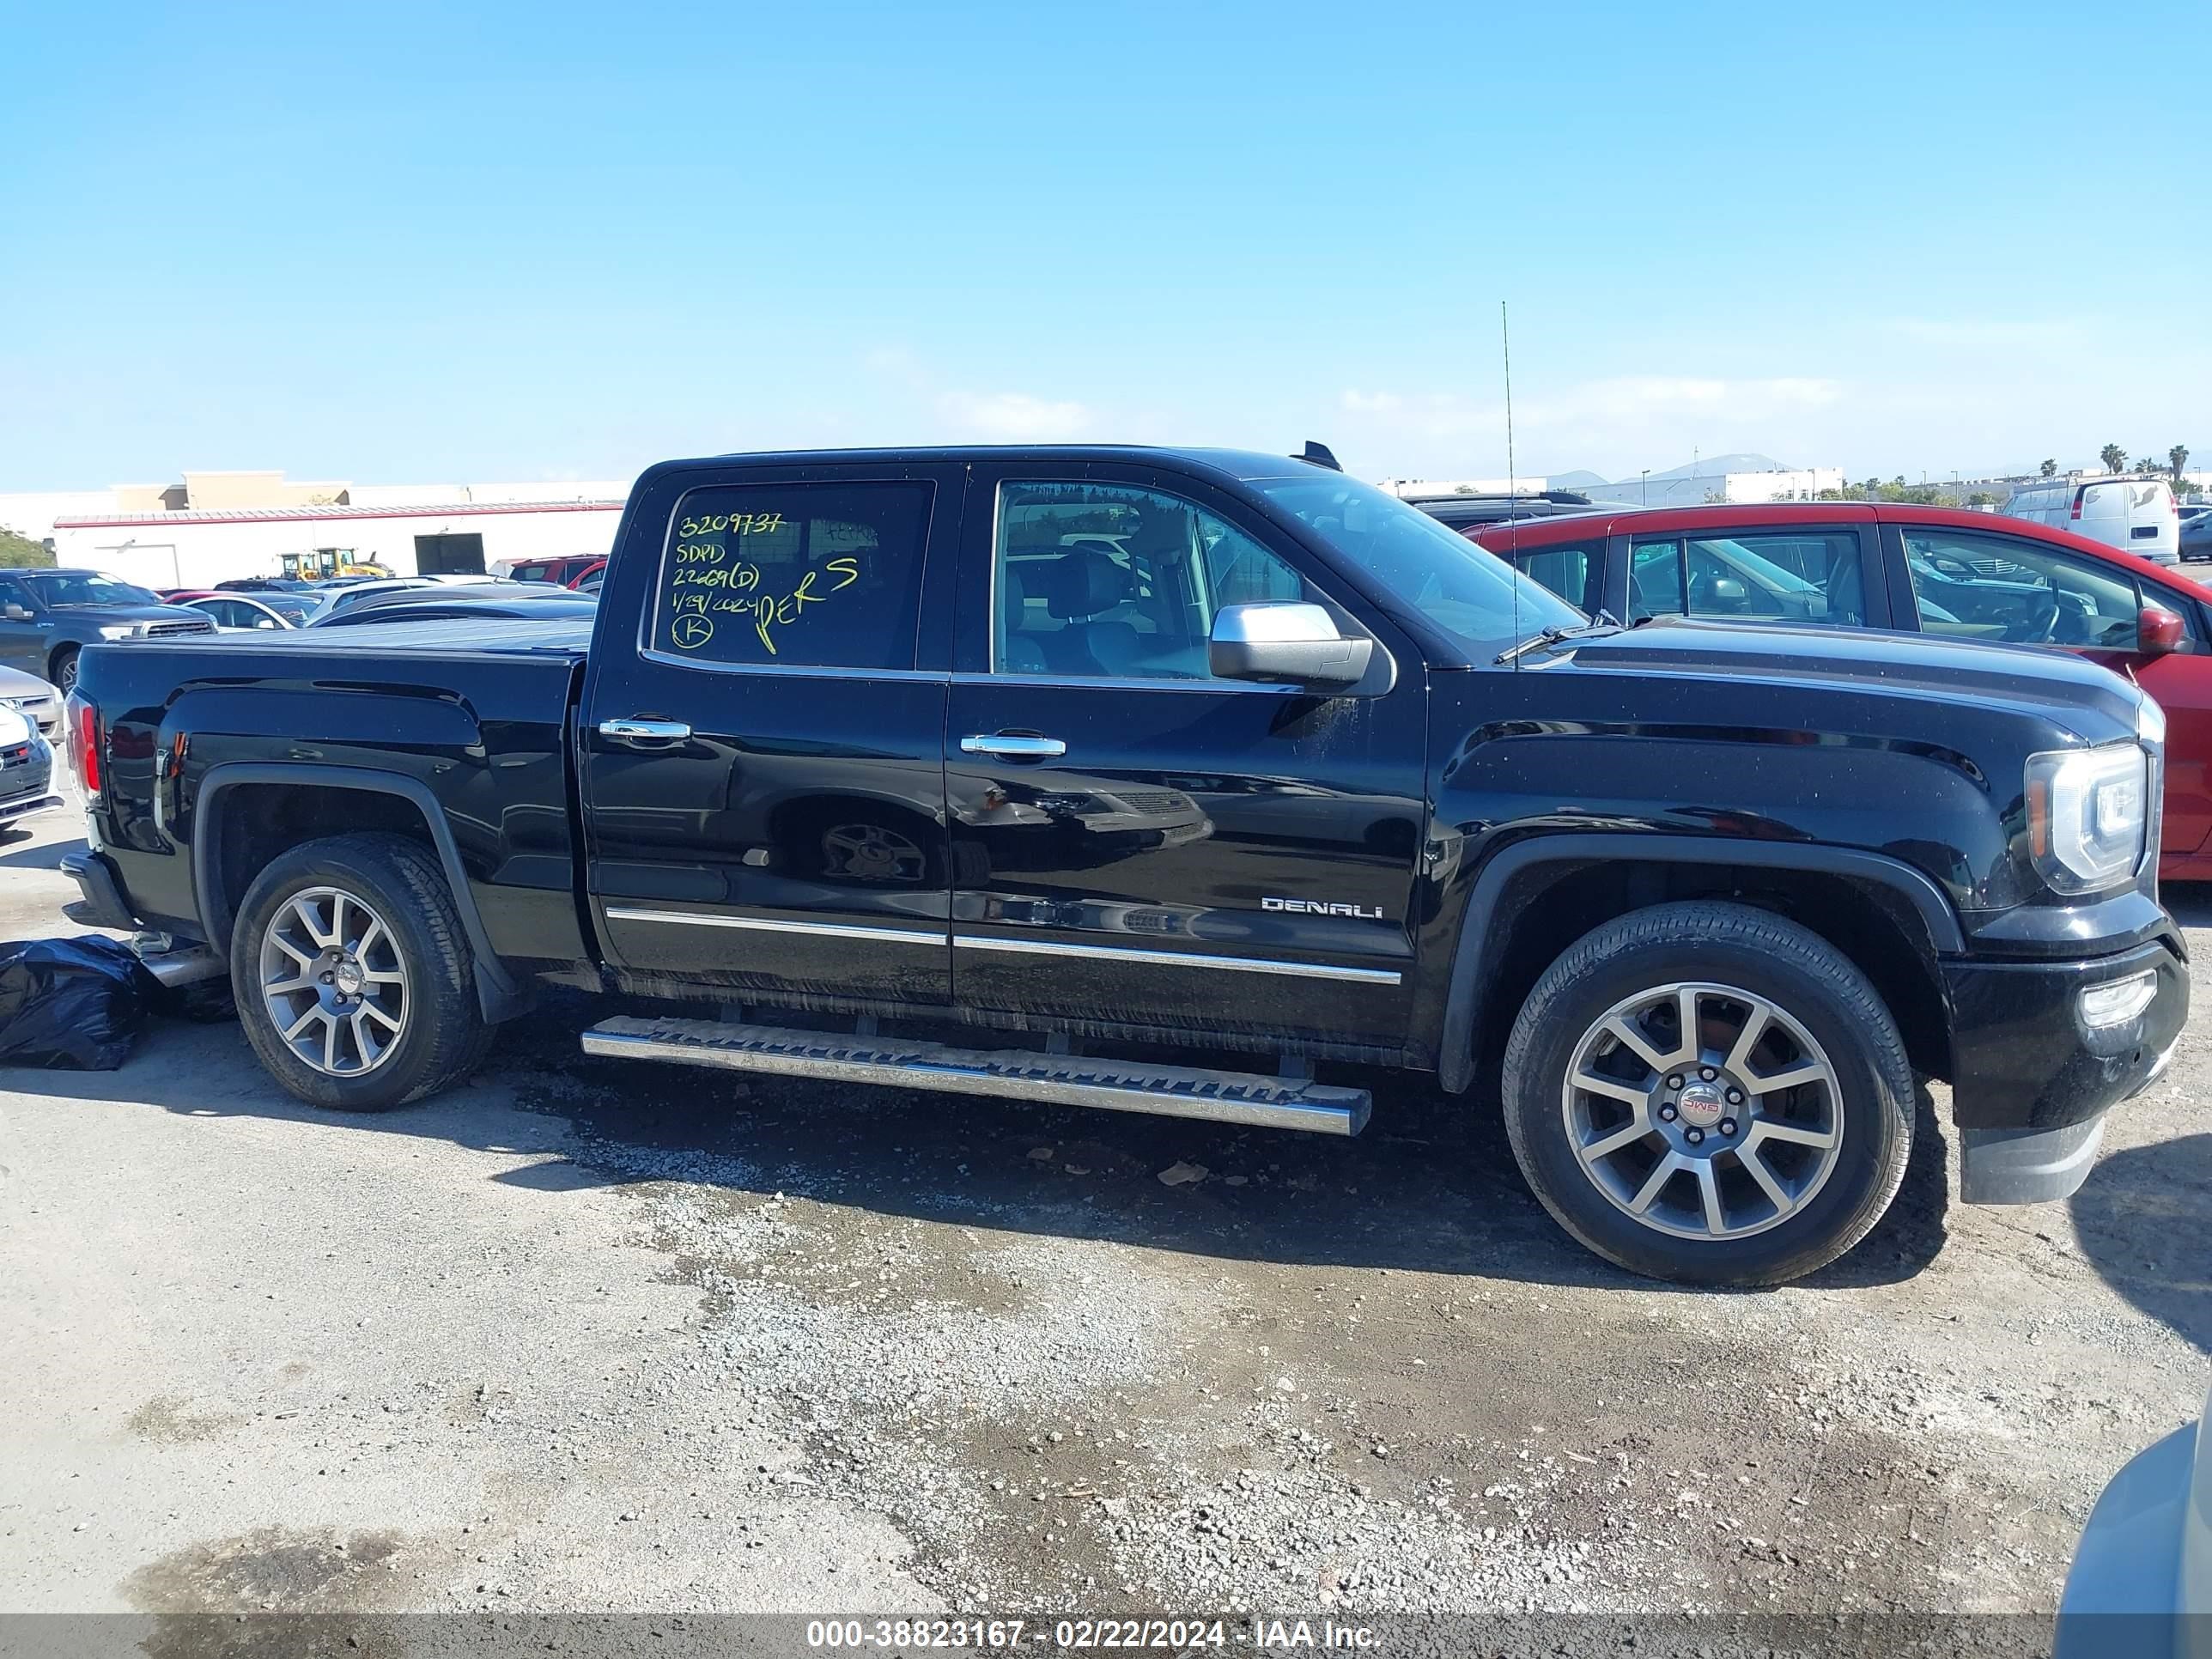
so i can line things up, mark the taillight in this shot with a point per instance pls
(2078, 494)
(83, 727)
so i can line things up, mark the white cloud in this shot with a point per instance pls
(1014, 416)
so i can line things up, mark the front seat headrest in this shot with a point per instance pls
(1084, 582)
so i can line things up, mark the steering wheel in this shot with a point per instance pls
(2038, 626)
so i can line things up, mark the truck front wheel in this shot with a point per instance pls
(352, 974)
(1709, 1093)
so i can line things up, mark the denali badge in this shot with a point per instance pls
(1320, 908)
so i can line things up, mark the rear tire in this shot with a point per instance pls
(353, 977)
(1694, 1158)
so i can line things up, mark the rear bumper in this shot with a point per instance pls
(102, 905)
(2032, 1076)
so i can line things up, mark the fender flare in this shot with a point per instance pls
(1455, 1053)
(497, 995)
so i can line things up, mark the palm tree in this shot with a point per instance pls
(2177, 458)
(2114, 457)
(2051, 469)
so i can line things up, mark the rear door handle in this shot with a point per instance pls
(645, 731)
(1009, 746)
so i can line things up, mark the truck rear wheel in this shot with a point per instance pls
(352, 974)
(1707, 1092)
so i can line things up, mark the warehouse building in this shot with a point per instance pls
(216, 526)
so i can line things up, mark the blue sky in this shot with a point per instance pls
(417, 243)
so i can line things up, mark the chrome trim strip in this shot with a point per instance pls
(1247, 688)
(1179, 959)
(1117, 1085)
(763, 925)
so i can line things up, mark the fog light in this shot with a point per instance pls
(2117, 1001)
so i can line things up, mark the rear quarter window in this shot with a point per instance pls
(824, 575)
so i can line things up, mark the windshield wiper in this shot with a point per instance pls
(1598, 629)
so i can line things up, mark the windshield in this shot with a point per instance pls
(60, 588)
(293, 608)
(1472, 595)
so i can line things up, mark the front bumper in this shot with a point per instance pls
(26, 787)
(2031, 1079)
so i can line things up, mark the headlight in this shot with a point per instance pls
(119, 631)
(2087, 813)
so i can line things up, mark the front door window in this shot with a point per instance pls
(1971, 586)
(1112, 581)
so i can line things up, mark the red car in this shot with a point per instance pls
(562, 570)
(1924, 570)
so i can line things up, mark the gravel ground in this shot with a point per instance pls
(594, 1336)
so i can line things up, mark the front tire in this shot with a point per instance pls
(62, 671)
(1708, 1093)
(353, 977)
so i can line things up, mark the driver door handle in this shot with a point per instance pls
(1011, 745)
(645, 731)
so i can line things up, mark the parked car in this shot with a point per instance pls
(563, 570)
(2194, 538)
(2141, 1584)
(1465, 512)
(239, 612)
(265, 584)
(1696, 901)
(1963, 575)
(182, 595)
(47, 617)
(32, 697)
(510, 601)
(2134, 514)
(26, 769)
(331, 597)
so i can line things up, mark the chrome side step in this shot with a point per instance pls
(1118, 1086)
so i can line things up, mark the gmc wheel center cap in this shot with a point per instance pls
(1701, 1104)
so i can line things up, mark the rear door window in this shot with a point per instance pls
(1779, 576)
(809, 575)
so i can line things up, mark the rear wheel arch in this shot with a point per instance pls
(245, 813)
(1532, 902)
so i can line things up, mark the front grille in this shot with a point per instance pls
(153, 630)
(1150, 800)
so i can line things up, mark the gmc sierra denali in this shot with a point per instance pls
(1106, 750)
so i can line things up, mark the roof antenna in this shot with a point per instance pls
(1505, 341)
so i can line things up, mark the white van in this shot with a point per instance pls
(2135, 515)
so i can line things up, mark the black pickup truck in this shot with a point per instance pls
(1108, 751)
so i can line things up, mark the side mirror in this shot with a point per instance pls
(14, 612)
(1293, 643)
(1728, 593)
(2158, 632)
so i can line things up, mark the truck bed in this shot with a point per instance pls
(469, 720)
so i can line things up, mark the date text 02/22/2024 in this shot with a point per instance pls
(1084, 1635)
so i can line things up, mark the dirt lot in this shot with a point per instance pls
(590, 1336)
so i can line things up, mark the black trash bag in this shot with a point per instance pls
(74, 1005)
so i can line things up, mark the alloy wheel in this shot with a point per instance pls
(1703, 1110)
(332, 982)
